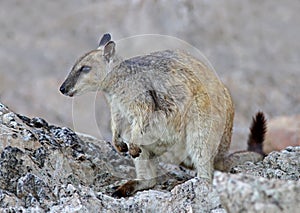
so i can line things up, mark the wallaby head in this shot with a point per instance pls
(89, 71)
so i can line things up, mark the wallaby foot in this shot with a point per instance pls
(132, 186)
(126, 189)
(146, 175)
(239, 158)
(134, 150)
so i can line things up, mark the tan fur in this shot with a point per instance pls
(166, 106)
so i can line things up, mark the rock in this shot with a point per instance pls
(282, 131)
(280, 165)
(243, 193)
(49, 168)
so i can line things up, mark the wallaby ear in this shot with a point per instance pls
(105, 39)
(109, 50)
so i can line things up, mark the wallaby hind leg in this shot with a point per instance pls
(201, 156)
(204, 142)
(204, 168)
(146, 176)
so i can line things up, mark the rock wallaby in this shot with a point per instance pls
(165, 106)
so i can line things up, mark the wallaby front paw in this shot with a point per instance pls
(121, 146)
(134, 150)
(118, 143)
(126, 189)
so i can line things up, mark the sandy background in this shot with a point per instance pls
(253, 45)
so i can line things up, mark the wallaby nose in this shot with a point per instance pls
(62, 89)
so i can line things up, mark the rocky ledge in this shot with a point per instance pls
(45, 168)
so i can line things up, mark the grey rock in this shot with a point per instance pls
(245, 193)
(284, 165)
(46, 168)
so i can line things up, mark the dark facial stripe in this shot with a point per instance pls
(70, 82)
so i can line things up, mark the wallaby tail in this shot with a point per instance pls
(254, 153)
(257, 134)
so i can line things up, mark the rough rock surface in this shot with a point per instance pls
(257, 194)
(45, 168)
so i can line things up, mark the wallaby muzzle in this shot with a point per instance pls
(65, 90)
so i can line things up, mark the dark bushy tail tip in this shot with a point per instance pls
(257, 133)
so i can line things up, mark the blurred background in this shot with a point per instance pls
(252, 44)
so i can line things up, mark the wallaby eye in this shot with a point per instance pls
(85, 69)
